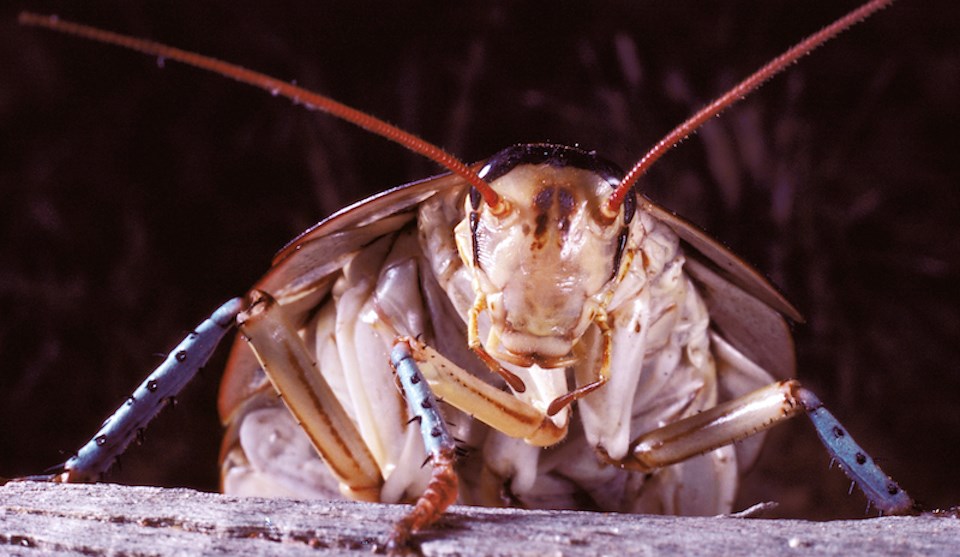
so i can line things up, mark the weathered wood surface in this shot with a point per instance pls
(110, 519)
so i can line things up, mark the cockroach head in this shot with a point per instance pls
(546, 266)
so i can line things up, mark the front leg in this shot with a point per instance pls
(422, 371)
(753, 413)
(441, 449)
(498, 409)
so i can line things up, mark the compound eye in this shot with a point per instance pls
(475, 198)
(629, 206)
(621, 247)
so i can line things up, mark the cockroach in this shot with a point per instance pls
(586, 347)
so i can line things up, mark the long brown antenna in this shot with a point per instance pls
(738, 92)
(299, 95)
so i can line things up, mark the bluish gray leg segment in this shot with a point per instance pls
(422, 403)
(880, 489)
(179, 367)
(752, 413)
(442, 490)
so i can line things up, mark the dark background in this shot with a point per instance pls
(134, 199)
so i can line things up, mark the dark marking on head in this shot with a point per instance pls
(543, 199)
(566, 201)
(542, 219)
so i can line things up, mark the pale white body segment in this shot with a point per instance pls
(413, 281)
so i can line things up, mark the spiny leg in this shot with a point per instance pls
(880, 490)
(442, 490)
(156, 391)
(498, 409)
(753, 413)
(308, 396)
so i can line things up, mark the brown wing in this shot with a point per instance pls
(303, 265)
(304, 270)
(744, 307)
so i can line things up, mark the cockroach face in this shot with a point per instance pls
(547, 264)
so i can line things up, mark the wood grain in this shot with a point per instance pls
(107, 519)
